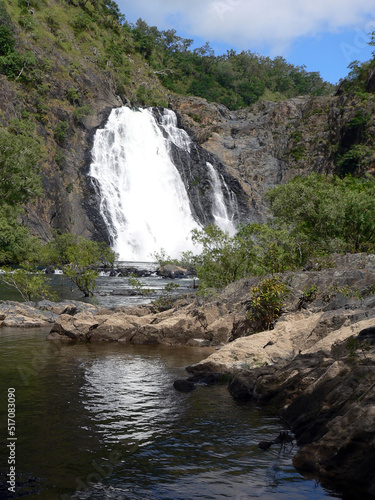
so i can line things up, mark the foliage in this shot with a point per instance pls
(166, 299)
(61, 131)
(223, 258)
(13, 65)
(30, 283)
(84, 278)
(81, 112)
(312, 217)
(80, 22)
(355, 159)
(138, 286)
(358, 349)
(73, 95)
(266, 302)
(7, 40)
(236, 80)
(19, 169)
(77, 256)
(276, 249)
(327, 214)
(21, 127)
(16, 243)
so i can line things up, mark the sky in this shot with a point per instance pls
(322, 35)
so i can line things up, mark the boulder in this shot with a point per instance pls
(184, 385)
(172, 271)
(78, 327)
(24, 314)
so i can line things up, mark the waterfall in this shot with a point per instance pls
(222, 212)
(143, 199)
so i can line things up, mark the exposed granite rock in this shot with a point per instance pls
(172, 271)
(305, 326)
(327, 399)
(43, 313)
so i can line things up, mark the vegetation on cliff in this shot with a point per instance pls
(311, 218)
(236, 80)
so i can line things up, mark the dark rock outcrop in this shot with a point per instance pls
(183, 385)
(328, 402)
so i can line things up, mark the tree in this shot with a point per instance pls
(77, 257)
(329, 213)
(16, 243)
(223, 258)
(30, 283)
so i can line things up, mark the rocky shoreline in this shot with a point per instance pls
(316, 368)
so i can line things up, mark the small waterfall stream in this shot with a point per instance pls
(143, 199)
(223, 215)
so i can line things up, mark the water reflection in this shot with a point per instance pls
(130, 398)
(103, 421)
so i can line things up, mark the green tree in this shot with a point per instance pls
(16, 243)
(20, 179)
(223, 259)
(29, 282)
(328, 213)
(77, 257)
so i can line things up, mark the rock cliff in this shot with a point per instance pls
(271, 142)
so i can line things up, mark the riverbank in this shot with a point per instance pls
(316, 367)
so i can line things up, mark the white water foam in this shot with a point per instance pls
(222, 213)
(143, 199)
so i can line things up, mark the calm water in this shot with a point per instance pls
(103, 421)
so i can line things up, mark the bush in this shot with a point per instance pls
(223, 258)
(81, 112)
(80, 22)
(77, 256)
(73, 95)
(16, 243)
(7, 40)
(266, 302)
(19, 169)
(61, 131)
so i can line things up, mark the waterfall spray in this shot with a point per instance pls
(143, 199)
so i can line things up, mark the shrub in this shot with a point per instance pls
(29, 282)
(77, 256)
(73, 95)
(81, 112)
(80, 22)
(327, 213)
(7, 40)
(266, 302)
(61, 132)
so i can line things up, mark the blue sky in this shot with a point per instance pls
(323, 35)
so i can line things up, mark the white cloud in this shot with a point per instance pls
(274, 23)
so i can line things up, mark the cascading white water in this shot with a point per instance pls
(223, 215)
(143, 199)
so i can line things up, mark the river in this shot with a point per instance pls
(103, 421)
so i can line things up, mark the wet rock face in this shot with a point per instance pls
(250, 144)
